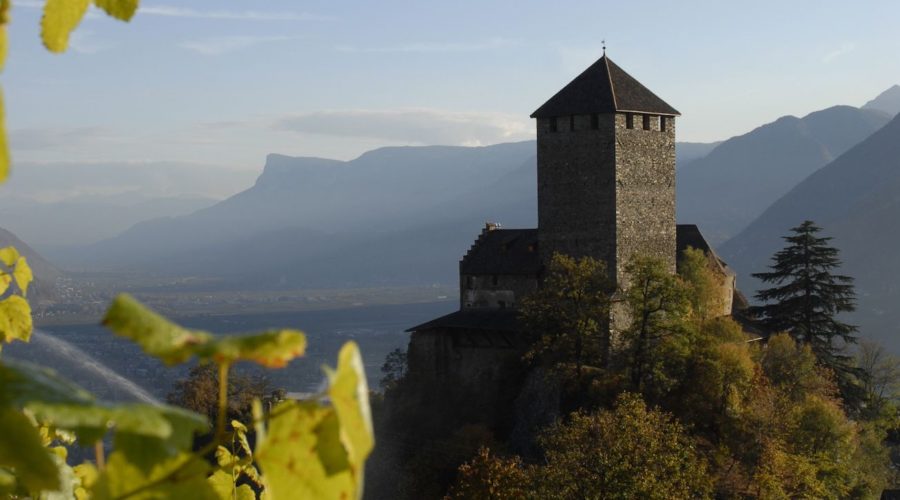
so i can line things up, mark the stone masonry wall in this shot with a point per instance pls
(645, 191)
(576, 187)
(494, 291)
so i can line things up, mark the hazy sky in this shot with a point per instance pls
(225, 82)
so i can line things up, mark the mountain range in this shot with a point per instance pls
(856, 200)
(725, 190)
(405, 215)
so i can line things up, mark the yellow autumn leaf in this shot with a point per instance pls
(15, 319)
(22, 274)
(122, 10)
(273, 349)
(60, 19)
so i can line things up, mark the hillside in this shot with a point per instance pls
(887, 102)
(856, 199)
(725, 190)
(45, 273)
(381, 192)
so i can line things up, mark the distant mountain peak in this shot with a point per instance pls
(887, 101)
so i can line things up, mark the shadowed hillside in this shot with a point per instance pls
(728, 188)
(855, 199)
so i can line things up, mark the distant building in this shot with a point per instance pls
(606, 189)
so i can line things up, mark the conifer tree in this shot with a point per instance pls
(808, 296)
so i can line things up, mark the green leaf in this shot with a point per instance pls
(60, 18)
(272, 349)
(23, 275)
(180, 476)
(156, 335)
(350, 396)
(122, 10)
(22, 383)
(301, 454)
(15, 319)
(90, 422)
(21, 448)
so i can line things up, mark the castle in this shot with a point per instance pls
(606, 189)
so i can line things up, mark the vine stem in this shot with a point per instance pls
(99, 456)
(223, 400)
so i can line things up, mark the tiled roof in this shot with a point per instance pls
(475, 319)
(688, 235)
(604, 88)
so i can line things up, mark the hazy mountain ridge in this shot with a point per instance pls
(856, 199)
(405, 215)
(382, 191)
(725, 190)
(888, 101)
(55, 206)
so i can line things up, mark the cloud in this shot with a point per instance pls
(220, 45)
(412, 126)
(843, 50)
(246, 15)
(427, 47)
(60, 138)
(84, 42)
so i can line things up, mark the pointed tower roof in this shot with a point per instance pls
(604, 88)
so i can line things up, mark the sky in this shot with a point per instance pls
(224, 83)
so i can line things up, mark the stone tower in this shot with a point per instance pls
(606, 170)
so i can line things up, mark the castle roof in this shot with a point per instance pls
(604, 88)
(688, 235)
(503, 251)
(504, 320)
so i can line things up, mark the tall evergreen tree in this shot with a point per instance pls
(808, 296)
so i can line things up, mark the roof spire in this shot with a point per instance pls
(604, 46)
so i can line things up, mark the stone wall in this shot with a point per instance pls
(494, 291)
(606, 189)
(478, 367)
(576, 187)
(645, 191)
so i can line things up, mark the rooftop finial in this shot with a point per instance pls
(604, 46)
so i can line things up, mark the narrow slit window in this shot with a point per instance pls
(662, 123)
(595, 121)
(646, 122)
(629, 120)
(553, 127)
(572, 123)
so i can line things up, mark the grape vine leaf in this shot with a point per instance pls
(15, 319)
(272, 349)
(122, 10)
(21, 448)
(4, 40)
(301, 455)
(9, 256)
(60, 18)
(156, 335)
(22, 274)
(22, 383)
(350, 396)
(148, 467)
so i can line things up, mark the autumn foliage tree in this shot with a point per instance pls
(569, 316)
